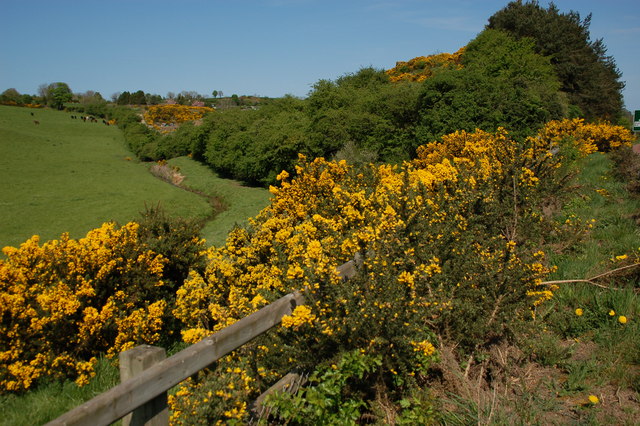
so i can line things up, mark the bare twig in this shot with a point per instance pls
(578, 281)
(622, 268)
(590, 280)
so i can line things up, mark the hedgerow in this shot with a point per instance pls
(66, 301)
(448, 248)
(448, 251)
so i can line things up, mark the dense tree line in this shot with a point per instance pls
(530, 65)
(365, 116)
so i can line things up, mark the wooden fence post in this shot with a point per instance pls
(133, 362)
(124, 398)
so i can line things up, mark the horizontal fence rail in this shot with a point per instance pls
(124, 398)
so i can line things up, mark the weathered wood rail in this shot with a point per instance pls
(154, 381)
(143, 391)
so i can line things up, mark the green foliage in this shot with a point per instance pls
(11, 97)
(503, 83)
(256, 145)
(138, 98)
(58, 94)
(331, 397)
(588, 76)
(366, 110)
(124, 98)
(92, 104)
(142, 141)
(187, 139)
(176, 239)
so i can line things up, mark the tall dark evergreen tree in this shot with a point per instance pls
(138, 98)
(124, 98)
(587, 74)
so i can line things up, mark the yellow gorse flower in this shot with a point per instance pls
(64, 285)
(300, 316)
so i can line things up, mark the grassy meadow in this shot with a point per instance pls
(240, 202)
(66, 175)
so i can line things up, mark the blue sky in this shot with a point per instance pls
(267, 48)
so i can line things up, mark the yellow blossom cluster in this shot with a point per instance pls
(63, 302)
(585, 137)
(443, 245)
(300, 316)
(423, 67)
(220, 401)
(159, 115)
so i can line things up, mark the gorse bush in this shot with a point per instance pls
(586, 137)
(447, 248)
(67, 301)
(423, 67)
(160, 115)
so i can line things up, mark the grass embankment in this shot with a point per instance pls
(66, 175)
(50, 401)
(240, 202)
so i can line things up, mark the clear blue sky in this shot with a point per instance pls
(267, 48)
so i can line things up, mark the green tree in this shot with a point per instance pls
(256, 145)
(11, 96)
(153, 99)
(58, 94)
(503, 83)
(138, 98)
(124, 98)
(587, 74)
(26, 99)
(364, 111)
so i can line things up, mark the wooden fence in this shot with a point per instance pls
(146, 379)
(135, 392)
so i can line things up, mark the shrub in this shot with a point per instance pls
(160, 115)
(587, 137)
(66, 301)
(447, 248)
(423, 67)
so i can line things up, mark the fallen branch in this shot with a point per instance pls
(590, 280)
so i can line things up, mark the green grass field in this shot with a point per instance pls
(242, 202)
(66, 175)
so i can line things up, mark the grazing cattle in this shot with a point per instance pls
(32, 114)
(36, 122)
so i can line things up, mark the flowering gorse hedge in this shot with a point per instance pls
(423, 67)
(586, 137)
(67, 301)
(447, 248)
(158, 115)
